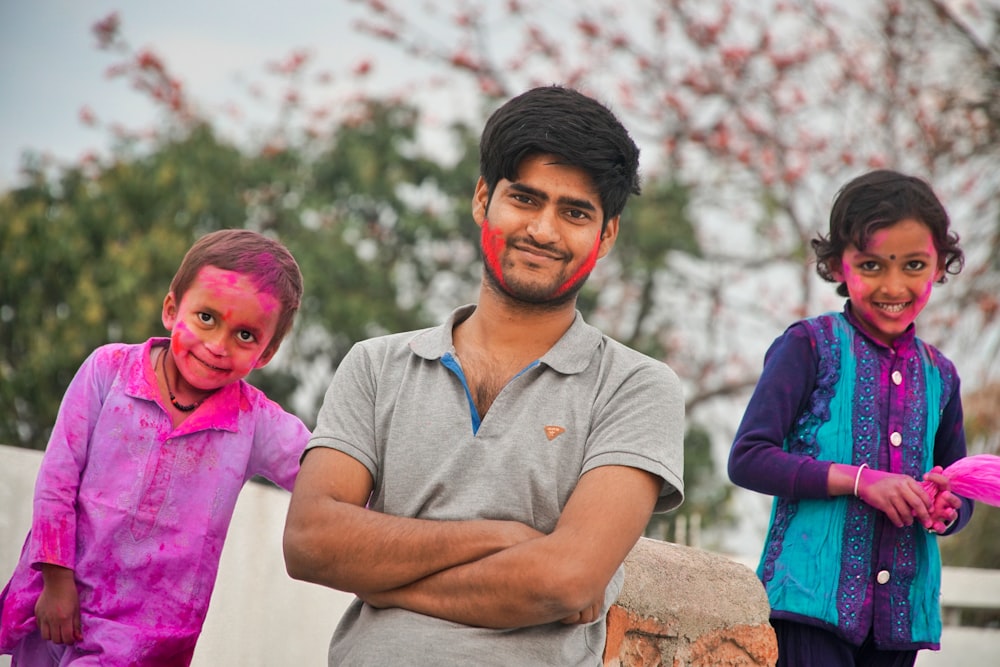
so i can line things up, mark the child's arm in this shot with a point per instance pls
(53, 527)
(758, 460)
(900, 497)
(279, 440)
(949, 447)
(58, 608)
(52, 541)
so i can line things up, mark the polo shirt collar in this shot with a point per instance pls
(571, 354)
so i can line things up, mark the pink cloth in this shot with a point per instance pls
(974, 477)
(140, 510)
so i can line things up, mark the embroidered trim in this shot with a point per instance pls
(857, 548)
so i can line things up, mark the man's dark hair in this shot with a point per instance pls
(563, 122)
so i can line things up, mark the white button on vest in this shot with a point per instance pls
(883, 577)
(896, 439)
(897, 378)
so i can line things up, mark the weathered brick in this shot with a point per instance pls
(685, 607)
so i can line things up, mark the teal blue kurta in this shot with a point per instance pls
(851, 414)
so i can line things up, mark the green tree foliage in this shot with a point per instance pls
(705, 500)
(382, 233)
(88, 253)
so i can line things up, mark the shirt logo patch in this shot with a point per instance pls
(553, 432)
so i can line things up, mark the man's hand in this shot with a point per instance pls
(58, 608)
(583, 617)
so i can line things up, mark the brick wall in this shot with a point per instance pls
(687, 607)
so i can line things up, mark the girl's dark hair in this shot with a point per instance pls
(561, 121)
(880, 199)
(267, 263)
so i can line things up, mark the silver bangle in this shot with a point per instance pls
(857, 479)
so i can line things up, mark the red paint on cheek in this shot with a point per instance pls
(180, 334)
(492, 243)
(584, 270)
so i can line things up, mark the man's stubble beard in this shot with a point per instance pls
(534, 300)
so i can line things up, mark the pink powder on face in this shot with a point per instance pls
(263, 281)
(236, 301)
(584, 270)
(492, 242)
(263, 269)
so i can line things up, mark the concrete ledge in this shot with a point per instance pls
(687, 607)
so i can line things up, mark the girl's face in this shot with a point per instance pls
(890, 281)
(220, 330)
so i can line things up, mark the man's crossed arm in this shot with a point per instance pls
(485, 573)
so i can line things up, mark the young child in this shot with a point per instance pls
(150, 449)
(850, 411)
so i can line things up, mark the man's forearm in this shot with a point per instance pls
(362, 551)
(517, 587)
(332, 540)
(548, 579)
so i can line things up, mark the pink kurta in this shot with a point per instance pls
(140, 510)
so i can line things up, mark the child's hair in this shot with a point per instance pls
(561, 121)
(880, 199)
(265, 261)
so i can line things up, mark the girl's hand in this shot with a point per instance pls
(899, 497)
(58, 608)
(944, 509)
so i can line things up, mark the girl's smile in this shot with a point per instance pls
(890, 281)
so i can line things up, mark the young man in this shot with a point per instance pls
(477, 485)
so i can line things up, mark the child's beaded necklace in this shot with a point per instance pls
(173, 399)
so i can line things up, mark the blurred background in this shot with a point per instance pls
(348, 129)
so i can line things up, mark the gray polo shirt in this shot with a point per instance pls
(399, 405)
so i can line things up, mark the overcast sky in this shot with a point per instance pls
(50, 66)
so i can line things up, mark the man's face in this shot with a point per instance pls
(541, 233)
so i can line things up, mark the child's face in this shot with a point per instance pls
(890, 281)
(221, 328)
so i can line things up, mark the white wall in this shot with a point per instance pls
(258, 616)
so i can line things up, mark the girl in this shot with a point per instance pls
(851, 409)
